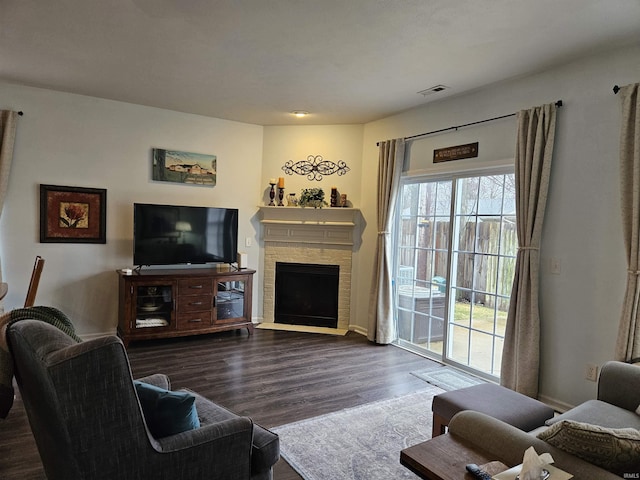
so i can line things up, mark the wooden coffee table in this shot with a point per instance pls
(445, 457)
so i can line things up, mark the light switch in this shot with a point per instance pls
(555, 266)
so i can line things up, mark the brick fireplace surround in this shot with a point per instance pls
(322, 236)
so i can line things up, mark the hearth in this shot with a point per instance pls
(306, 294)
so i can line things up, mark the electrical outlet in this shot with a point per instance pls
(555, 266)
(591, 372)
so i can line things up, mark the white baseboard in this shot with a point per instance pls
(557, 405)
(358, 329)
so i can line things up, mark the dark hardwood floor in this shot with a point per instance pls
(274, 377)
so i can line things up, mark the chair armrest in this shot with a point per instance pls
(619, 384)
(217, 450)
(157, 379)
(505, 441)
(227, 431)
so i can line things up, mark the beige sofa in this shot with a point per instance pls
(591, 441)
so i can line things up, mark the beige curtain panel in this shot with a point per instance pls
(381, 322)
(8, 121)
(534, 152)
(628, 344)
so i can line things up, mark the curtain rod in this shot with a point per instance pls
(20, 113)
(412, 137)
(616, 89)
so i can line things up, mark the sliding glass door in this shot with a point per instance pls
(455, 246)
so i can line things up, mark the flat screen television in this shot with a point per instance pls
(172, 234)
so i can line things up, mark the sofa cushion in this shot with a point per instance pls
(597, 412)
(166, 412)
(615, 450)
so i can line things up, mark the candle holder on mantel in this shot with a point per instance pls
(280, 196)
(272, 194)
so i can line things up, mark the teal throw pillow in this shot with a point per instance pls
(167, 412)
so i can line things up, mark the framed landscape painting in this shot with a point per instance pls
(72, 214)
(184, 167)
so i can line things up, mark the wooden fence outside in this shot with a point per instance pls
(478, 260)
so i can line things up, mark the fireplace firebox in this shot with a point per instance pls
(306, 294)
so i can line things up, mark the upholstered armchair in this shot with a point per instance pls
(88, 421)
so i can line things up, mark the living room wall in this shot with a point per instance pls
(580, 306)
(66, 139)
(74, 140)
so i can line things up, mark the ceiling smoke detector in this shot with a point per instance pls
(432, 90)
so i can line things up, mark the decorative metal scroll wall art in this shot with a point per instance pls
(315, 167)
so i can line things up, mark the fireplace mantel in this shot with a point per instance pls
(323, 236)
(330, 226)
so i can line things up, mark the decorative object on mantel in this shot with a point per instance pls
(312, 197)
(334, 197)
(280, 191)
(314, 167)
(343, 200)
(184, 167)
(272, 192)
(292, 200)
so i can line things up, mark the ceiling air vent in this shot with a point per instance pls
(432, 90)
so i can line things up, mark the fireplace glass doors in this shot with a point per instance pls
(307, 294)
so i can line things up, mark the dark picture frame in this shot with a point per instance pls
(72, 214)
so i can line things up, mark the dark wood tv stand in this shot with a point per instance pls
(167, 303)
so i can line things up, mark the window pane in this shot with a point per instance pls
(466, 233)
(488, 235)
(481, 351)
(506, 269)
(443, 203)
(490, 195)
(462, 307)
(425, 232)
(441, 233)
(509, 236)
(409, 199)
(407, 232)
(501, 316)
(459, 344)
(483, 318)
(464, 271)
(497, 356)
(427, 199)
(468, 195)
(509, 201)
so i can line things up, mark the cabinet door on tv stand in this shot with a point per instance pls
(153, 306)
(231, 302)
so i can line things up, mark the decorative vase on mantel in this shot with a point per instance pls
(292, 200)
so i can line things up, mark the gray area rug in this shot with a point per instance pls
(359, 443)
(448, 378)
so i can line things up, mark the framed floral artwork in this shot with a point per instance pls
(72, 214)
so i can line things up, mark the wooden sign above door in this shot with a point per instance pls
(470, 150)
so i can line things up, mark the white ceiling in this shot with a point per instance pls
(255, 61)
